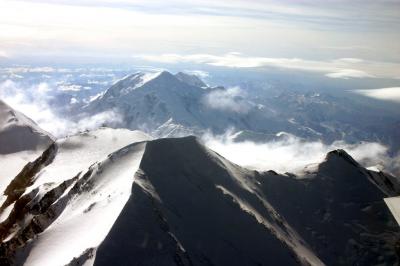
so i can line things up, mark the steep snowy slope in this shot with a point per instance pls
(175, 202)
(393, 204)
(55, 193)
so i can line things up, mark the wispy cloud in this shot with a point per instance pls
(339, 68)
(387, 94)
(199, 73)
(263, 27)
(230, 99)
(349, 73)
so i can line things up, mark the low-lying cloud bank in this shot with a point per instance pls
(34, 100)
(293, 154)
(387, 94)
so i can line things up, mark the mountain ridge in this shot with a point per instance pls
(175, 176)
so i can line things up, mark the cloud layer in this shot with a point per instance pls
(305, 29)
(338, 68)
(293, 154)
(388, 94)
(33, 101)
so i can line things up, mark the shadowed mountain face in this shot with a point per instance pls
(339, 212)
(195, 208)
(179, 213)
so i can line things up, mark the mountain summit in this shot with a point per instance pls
(149, 101)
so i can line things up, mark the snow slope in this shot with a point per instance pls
(90, 213)
(79, 184)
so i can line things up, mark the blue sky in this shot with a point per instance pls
(301, 34)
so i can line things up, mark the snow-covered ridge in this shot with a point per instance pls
(91, 171)
(137, 80)
(159, 201)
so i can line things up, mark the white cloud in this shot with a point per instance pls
(70, 87)
(292, 154)
(33, 102)
(3, 54)
(349, 73)
(230, 99)
(199, 73)
(387, 94)
(338, 68)
(268, 27)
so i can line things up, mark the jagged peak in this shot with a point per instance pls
(340, 153)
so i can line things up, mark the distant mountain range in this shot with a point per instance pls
(167, 105)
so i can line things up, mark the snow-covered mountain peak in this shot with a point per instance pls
(131, 83)
(20, 133)
(167, 80)
(152, 80)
